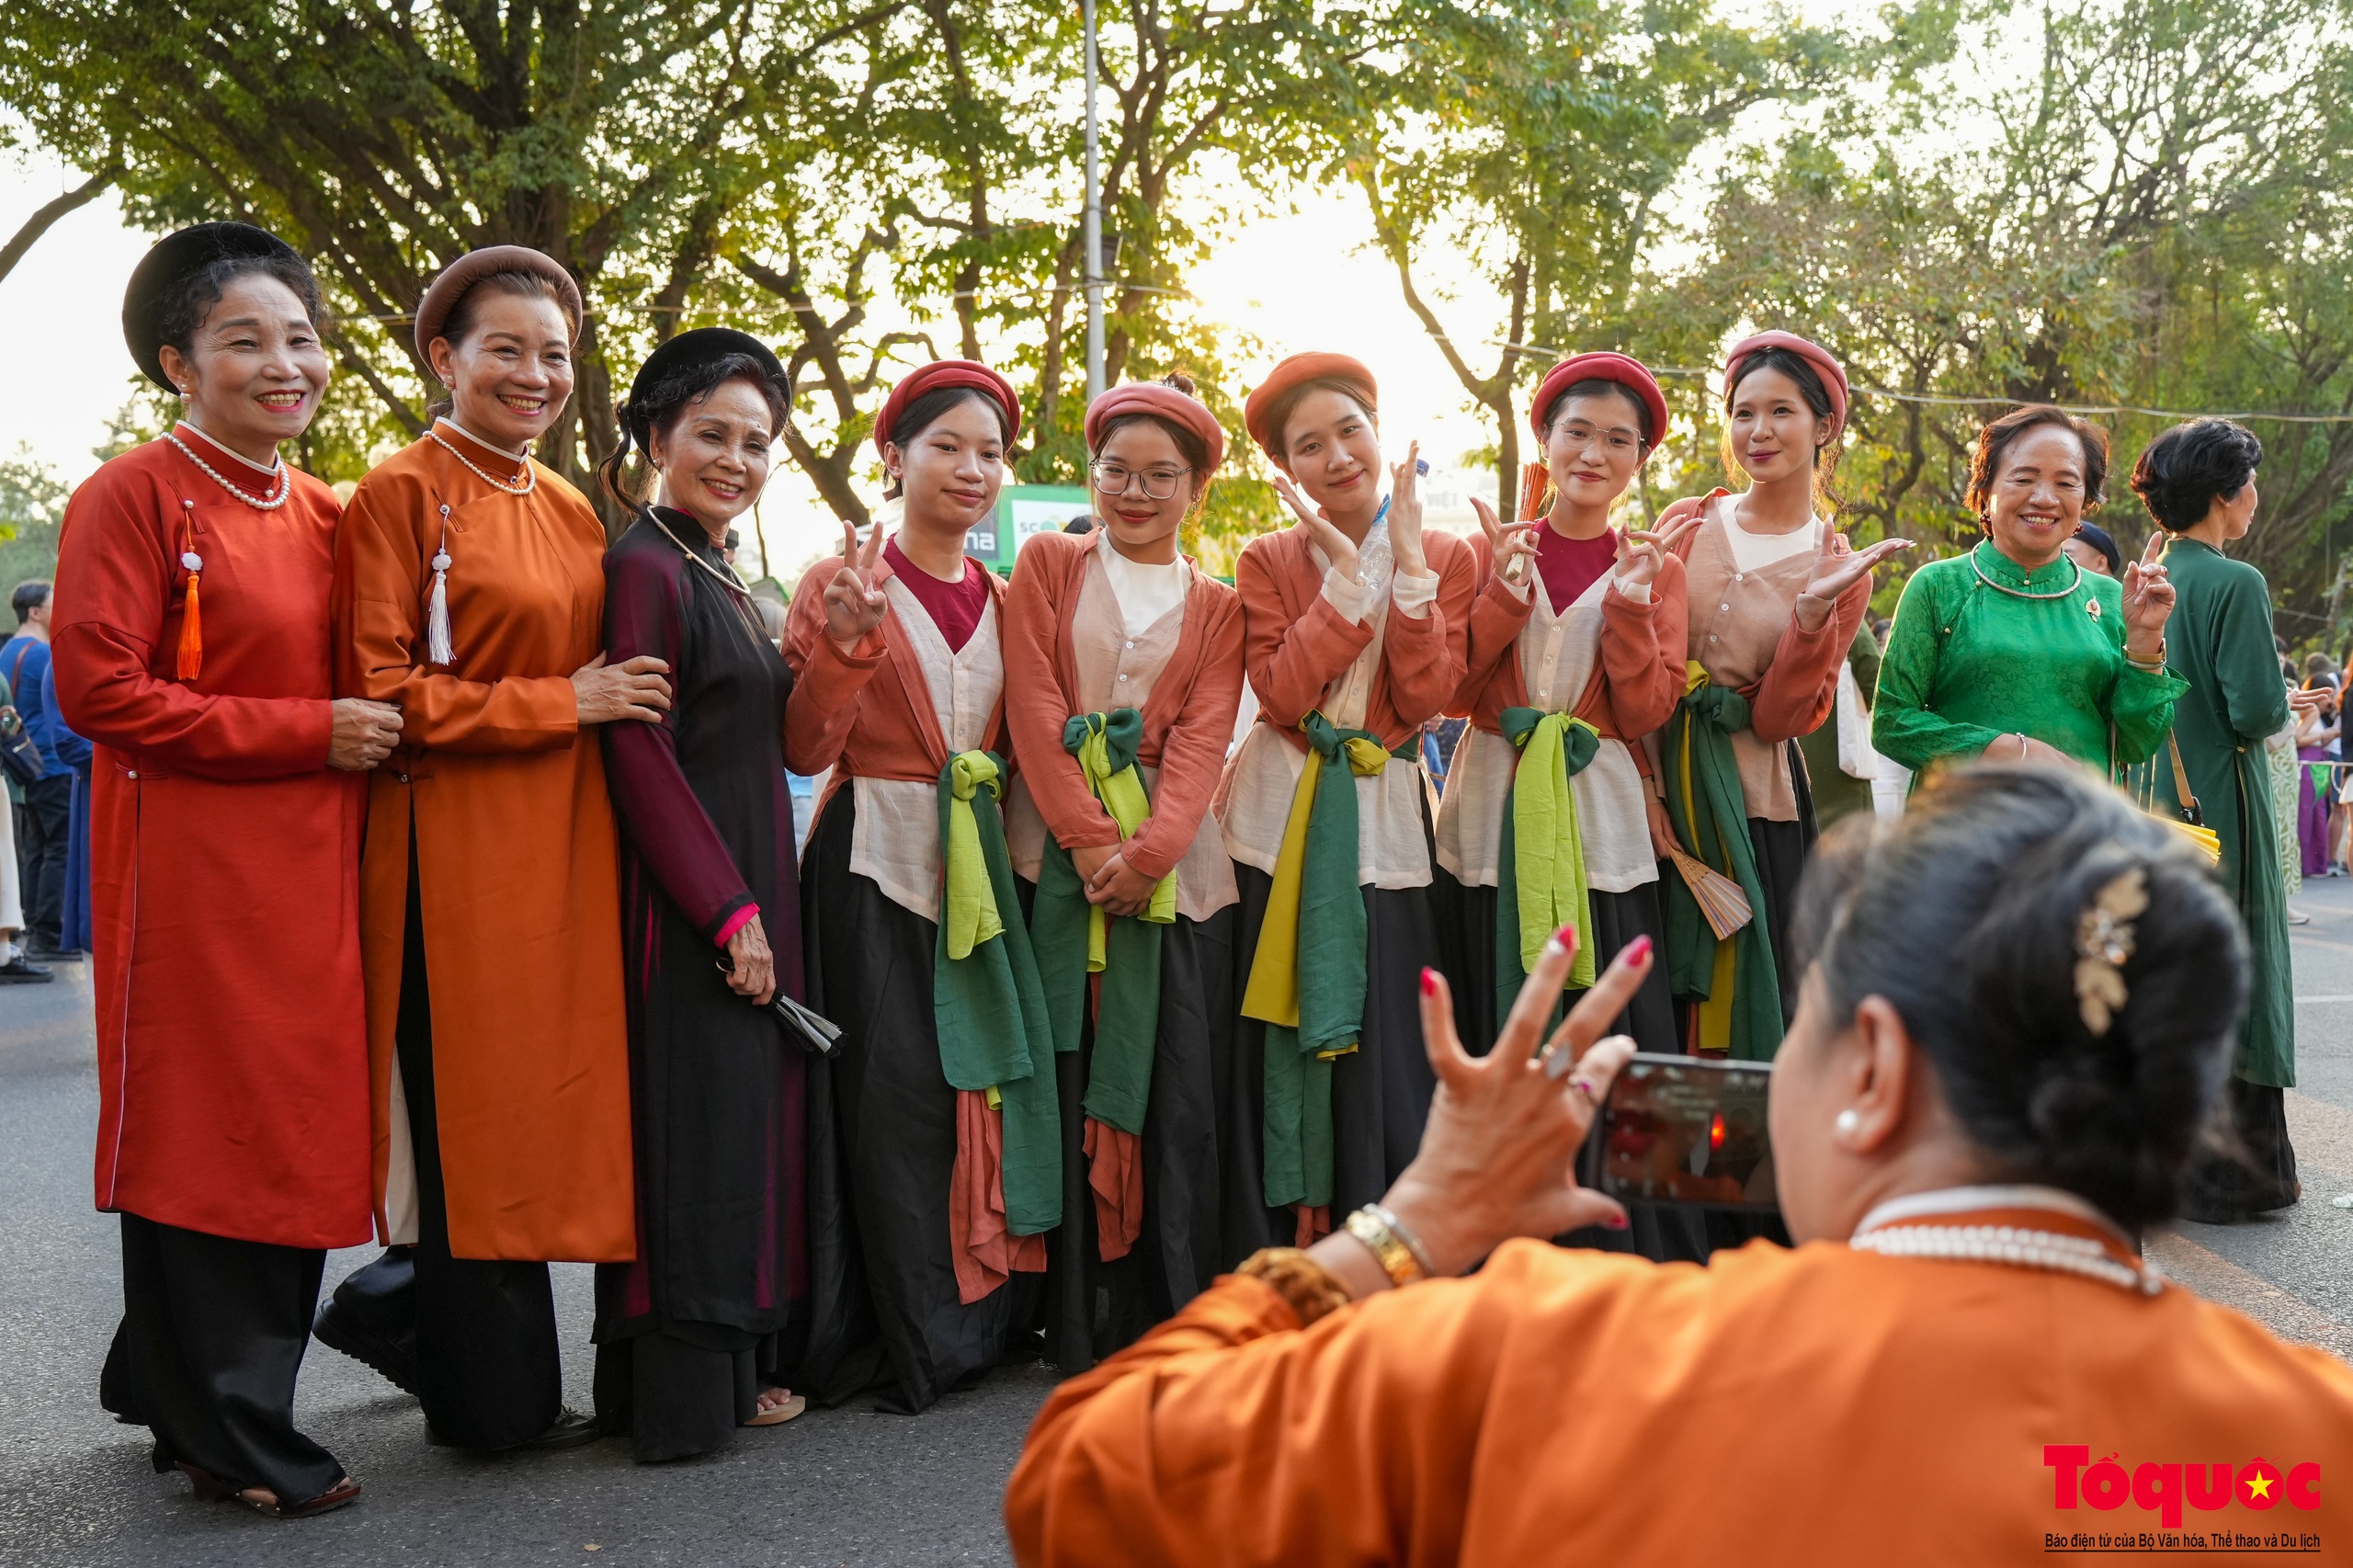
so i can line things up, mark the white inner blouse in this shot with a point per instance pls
(1557, 654)
(1392, 849)
(895, 838)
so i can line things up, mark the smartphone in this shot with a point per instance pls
(1688, 1129)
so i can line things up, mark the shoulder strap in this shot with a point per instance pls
(2180, 775)
(18, 674)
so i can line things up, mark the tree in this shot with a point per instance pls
(2153, 223)
(1537, 139)
(32, 500)
(385, 139)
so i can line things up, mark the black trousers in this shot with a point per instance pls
(44, 836)
(676, 1398)
(488, 1370)
(211, 1339)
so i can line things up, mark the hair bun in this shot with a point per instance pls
(1180, 381)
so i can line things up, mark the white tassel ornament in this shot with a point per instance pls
(438, 647)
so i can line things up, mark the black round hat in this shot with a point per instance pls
(702, 345)
(166, 264)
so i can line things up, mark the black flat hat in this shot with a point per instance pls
(700, 347)
(168, 264)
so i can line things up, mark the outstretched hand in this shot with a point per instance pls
(1498, 1154)
(1838, 566)
(854, 606)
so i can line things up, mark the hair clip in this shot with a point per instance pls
(2104, 939)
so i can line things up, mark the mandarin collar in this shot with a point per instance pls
(480, 450)
(2054, 577)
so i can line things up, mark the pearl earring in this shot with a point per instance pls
(1847, 1122)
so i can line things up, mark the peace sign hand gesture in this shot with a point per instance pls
(1336, 546)
(1837, 567)
(1513, 545)
(2148, 602)
(1641, 553)
(854, 604)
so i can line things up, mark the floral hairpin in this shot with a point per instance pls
(2103, 943)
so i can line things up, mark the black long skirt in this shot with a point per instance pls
(912, 1340)
(1094, 1308)
(1381, 1091)
(489, 1372)
(212, 1335)
(1466, 920)
(2246, 1165)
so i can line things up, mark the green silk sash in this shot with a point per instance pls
(1073, 938)
(1539, 865)
(1307, 977)
(987, 1005)
(1741, 990)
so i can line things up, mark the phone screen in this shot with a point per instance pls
(1685, 1129)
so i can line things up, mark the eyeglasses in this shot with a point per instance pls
(1159, 483)
(1583, 438)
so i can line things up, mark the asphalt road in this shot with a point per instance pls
(840, 1486)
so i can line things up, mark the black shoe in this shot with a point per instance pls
(16, 971)
(53, 955)
(570, 1430)
(339, 1328)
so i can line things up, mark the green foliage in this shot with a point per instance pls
(32, 500)
(2152, 218)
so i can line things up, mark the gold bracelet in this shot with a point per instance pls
(1313, 1291)
(1399, 1253)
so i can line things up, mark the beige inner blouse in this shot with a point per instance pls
(1556, 653)
(1117, 669)
(1253, 800)
(1738, 619)
(895, 839)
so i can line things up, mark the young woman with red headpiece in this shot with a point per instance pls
(1576, 651)
(1355, 628)
(942, 1091)
(1124, 671)
(1776, 594)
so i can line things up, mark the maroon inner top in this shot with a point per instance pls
(954, 607)
(1571, 565)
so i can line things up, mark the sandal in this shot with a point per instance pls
(344, 1491)
(783, 1410)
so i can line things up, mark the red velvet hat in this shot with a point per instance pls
(1834, 376)
(947, 373)
(1624, 369)
(441, 299)
(1153, 397)
(1258, 408)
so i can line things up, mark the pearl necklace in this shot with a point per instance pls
(530, 474)
(1890, 1231)
(2021, 593)
(284, 477)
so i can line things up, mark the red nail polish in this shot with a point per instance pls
(1616, 1221)
(1429, 982)
(1638, 951)
(1567, 937)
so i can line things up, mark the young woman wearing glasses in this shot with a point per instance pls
(1123, 670)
